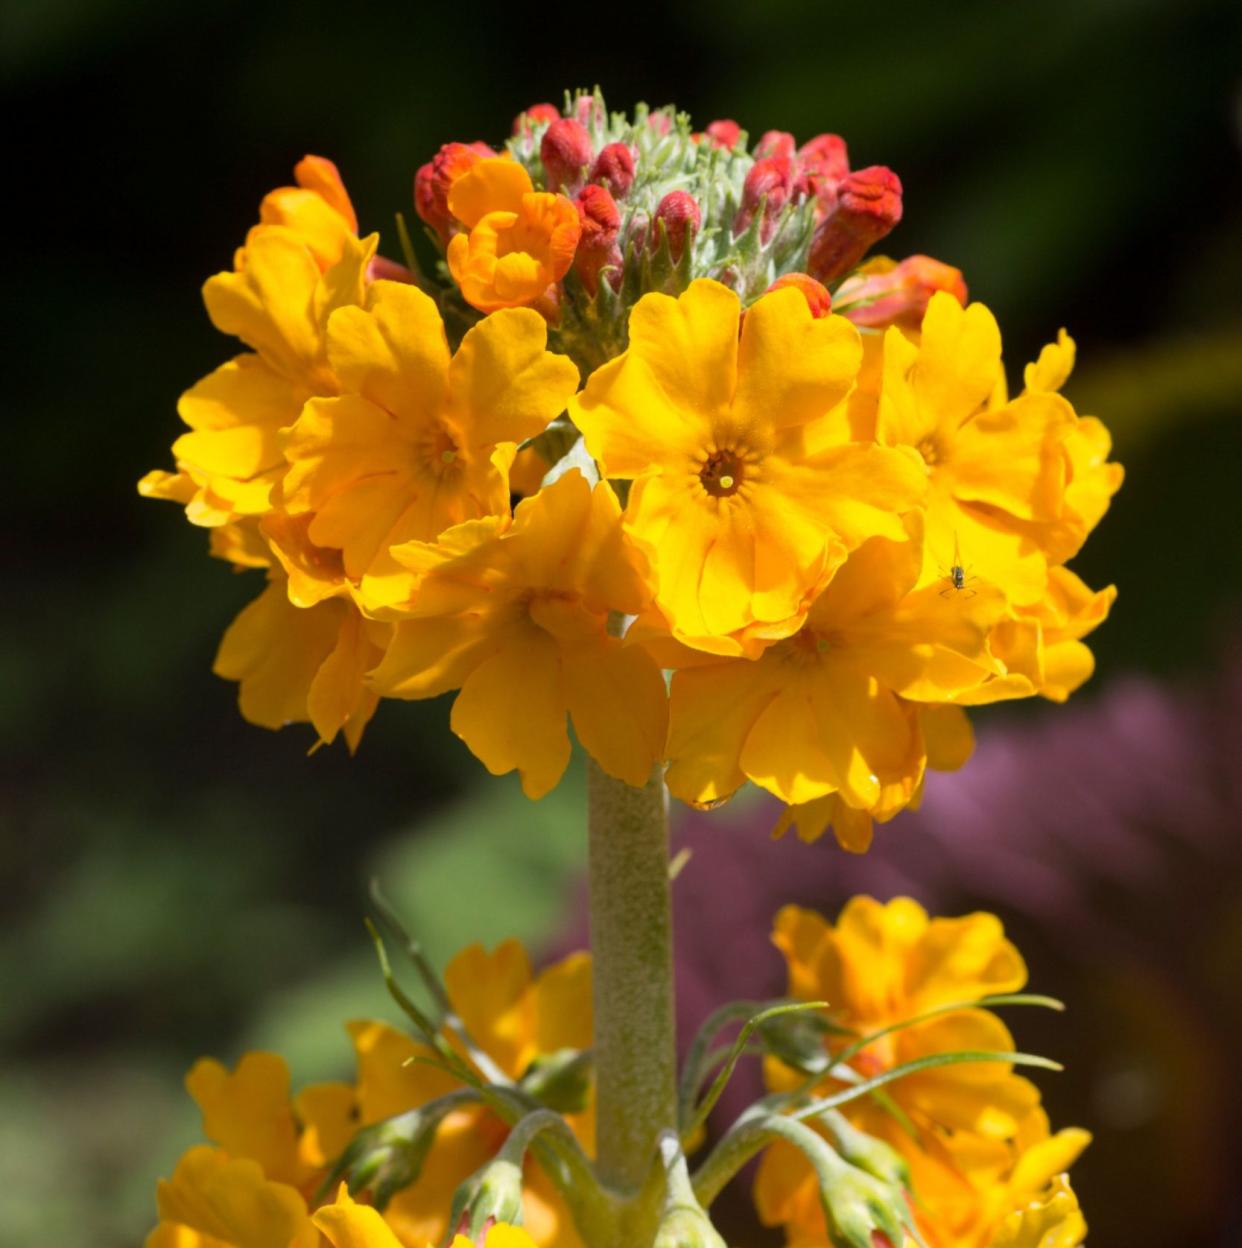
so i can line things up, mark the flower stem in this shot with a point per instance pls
(631, 948)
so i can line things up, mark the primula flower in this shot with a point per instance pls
(997, 470)
(820, 712)
(520, 241)
(272, 1153)
(303, 664)
(318, 210)
(277, 302)
(980, 1151)
(742, 493)
(419, 440)
(516, 617)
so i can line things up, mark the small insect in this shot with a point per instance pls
(958, 576)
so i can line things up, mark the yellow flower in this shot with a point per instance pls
(975, 1193)
(820, 713)
(277, 302)
(303, 665)
(520, 240)
(1052, 1220)
(887, 963)
(318, 210)
(516, 617)
(252, 1190)
(997, 471)
(746, 489)
(214, 1201)
(418, 441)
(1041, 645)
(514, 1017)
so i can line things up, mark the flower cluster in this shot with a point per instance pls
(270, 1177)
(982, 1164)
(433, 1138)
(780, 518)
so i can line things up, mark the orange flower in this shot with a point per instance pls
(520, 240)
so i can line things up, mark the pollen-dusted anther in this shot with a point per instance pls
(722, 475)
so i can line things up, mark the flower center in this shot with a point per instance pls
(931, 449)
(722, 474)
(440, 455)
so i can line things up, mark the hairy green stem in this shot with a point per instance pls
(631, 949)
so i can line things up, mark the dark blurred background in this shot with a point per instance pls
(176, 882)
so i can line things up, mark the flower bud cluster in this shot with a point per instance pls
(659, 205)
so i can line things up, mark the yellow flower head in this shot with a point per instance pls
(520, 240)
(827, 711)
(419, 439)
(516, 617)
(743, 493)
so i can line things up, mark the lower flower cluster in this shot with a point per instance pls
(894, 1113)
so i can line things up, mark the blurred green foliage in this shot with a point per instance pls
(178, 882)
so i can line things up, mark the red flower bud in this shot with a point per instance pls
(433, 181)
(614, 168)
(724, 133)
(566, 152)
(771, 180)
(535, 115)
(824, 164)
(868, 207)
(681, 216)
(816, 294)
(775, 143)
(597, 244)
(661, 123)
(885, 293)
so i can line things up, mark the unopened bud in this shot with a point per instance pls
(724, 133)
(614, 168)
(435, 179)
(600, 220)
(560, 1080)
(816, 293)
(778, 144)
(535, 115)
(868, 207)
(824, 164)
(768, 185)
(858, 1205)
(679, 211)
(660, 122)
(492, 1194)
(566, 153)
(387, 1156)
(883, 293)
